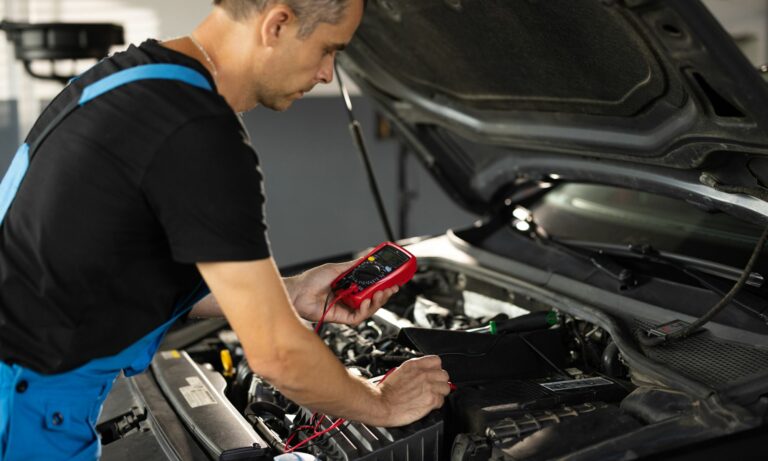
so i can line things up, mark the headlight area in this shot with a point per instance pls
(531, 382)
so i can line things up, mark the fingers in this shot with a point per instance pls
(340, 268)
(415, 388)
(430, 369)
(434, 374)
(439, 390)
(444, 389)
(439, 376)
(427, 362)
(366, 309)
(438, 401)
(381, 297)
(377, 301)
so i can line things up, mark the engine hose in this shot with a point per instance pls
(611, 363)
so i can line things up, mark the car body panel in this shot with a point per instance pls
(639, 83)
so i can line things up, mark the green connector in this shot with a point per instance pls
(552, 318)
(492, 324)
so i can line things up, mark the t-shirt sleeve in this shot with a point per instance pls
(206, 189)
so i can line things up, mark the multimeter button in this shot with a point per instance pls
(388, 269)
(371, 259)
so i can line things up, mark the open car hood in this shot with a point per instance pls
(490, 93)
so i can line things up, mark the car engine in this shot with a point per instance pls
(530, 381)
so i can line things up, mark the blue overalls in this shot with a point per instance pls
(53, 417)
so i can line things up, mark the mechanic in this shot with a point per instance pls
(140, 187)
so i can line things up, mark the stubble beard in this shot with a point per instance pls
(274, 101)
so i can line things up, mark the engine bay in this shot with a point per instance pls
(530, 381)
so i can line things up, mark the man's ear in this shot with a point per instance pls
(276, 20)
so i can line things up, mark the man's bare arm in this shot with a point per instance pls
(208, 307)
(290, 356)
(308, 294)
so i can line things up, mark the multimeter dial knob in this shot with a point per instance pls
(367, 274)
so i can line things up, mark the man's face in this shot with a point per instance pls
(299, 64)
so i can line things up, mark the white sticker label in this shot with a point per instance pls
(196, 394)
(168, 355)
(574, 372)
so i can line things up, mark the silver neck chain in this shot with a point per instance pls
(207, 57)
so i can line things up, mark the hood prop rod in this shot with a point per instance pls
(356, 131)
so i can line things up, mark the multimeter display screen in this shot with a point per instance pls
(391, 257)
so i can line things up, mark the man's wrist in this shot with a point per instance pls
(292, 287)
(382, 408)
(374, 410)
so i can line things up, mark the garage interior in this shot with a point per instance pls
(319, 201)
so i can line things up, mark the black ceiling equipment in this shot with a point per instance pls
(60, 42)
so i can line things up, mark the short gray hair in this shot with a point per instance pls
(310, 13)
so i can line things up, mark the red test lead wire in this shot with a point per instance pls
(328, 308)
(333, 426)
(287, 448)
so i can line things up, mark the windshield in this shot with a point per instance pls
(614, 215)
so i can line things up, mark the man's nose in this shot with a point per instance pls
(325, 74)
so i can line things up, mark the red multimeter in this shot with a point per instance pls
(384, 267)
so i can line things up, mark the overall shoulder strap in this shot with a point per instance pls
(147, 72)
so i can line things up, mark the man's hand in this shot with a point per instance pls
(414, 389)
(309, 291)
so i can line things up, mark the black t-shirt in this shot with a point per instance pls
(118, 204)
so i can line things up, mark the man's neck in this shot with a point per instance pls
(186, 47)
(208, 54)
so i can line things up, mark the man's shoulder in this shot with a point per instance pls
(166, 98)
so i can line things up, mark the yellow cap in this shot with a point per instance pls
(371, 259)
(226, 363)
